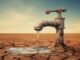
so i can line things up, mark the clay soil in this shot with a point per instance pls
(8, 40)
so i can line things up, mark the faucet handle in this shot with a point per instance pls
(59, 10)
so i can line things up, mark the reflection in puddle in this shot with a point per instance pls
(29, 50)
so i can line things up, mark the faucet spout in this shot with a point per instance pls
(40, 26)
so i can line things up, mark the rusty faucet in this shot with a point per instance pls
(58, 24)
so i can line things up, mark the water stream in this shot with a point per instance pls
(38, 37)
(38, 42)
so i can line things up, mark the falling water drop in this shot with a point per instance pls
(38, 41)
(38, 37)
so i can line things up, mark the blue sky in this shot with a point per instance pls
(20, 16)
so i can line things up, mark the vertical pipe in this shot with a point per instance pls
(60, 36)
(60, 33)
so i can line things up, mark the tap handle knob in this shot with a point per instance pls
(59, 10)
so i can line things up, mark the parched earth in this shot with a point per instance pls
(58, 53)
(26, 40)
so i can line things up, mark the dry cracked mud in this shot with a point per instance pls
(57, 54)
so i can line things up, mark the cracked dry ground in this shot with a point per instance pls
(59, 54)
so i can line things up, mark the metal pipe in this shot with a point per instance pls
(40, 26)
